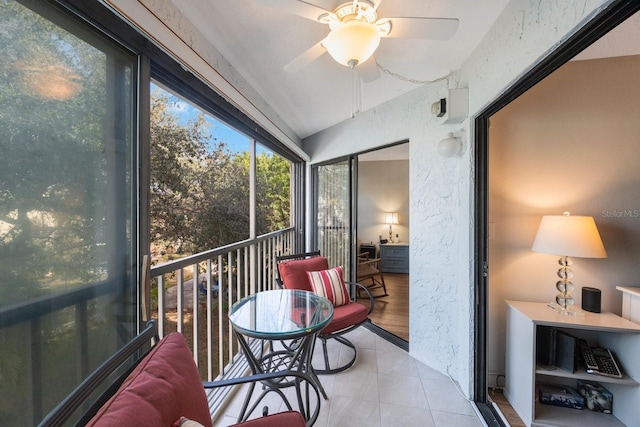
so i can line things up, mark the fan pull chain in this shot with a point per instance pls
(356, 89)
(408, 80)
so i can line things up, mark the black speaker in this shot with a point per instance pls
(591, 298)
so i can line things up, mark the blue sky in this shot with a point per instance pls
(185, 112)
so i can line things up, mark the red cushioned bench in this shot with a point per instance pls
(163, 388)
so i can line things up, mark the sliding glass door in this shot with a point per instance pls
(334, 212)
(68, 212)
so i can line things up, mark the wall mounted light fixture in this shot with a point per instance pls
(450, 146)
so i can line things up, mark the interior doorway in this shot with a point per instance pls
(492, 222)
(382, 233)
(352, 197)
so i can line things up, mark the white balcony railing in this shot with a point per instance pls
(226, 274)
(192, 295)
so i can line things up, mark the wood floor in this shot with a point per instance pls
(392, 312)
(505, 407)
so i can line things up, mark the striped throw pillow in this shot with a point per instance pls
(330, 284)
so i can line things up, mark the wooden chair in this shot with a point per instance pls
(369, 269)
(292, 274)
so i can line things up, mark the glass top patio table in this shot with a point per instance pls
(290, 315)
(281, 314)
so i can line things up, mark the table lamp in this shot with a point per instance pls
(566, 235)
(390, 218)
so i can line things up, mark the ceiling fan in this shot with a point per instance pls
(356, 31)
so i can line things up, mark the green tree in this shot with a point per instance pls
(177, 155)
(200, 189)
(225, 209)
(51, 148)
(273, 204)
(54, 174)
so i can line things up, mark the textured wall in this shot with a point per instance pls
(441, 190)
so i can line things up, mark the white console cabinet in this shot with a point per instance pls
(603, 329)
(630, 303)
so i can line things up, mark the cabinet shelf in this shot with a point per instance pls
(581, 374)
(523, 373)
(548, 415)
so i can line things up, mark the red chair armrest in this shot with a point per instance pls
(288, 418)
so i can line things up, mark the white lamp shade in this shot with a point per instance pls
(352, 41)
(568, 235)
(390, 217)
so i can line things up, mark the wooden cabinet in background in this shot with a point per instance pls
(395, 257)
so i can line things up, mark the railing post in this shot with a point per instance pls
(180, 302)
(161, 305)
(34, 370)
(221, 289)
(194, 299)
(269, 264)
(230, 300)
(82, 341)
(253, 268)
(210, 320)
(247, 277)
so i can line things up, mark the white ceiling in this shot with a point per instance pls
(258, 41)
(624, 40)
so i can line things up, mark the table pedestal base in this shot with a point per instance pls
(293, 362)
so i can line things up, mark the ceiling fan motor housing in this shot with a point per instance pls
(356, 31)
(355, 34)
(360, 10)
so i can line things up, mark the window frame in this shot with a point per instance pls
(155, 63)
(605, 21)
(82, 17)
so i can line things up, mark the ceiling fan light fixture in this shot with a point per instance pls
(353, 40)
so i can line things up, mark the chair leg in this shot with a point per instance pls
(375, 283)
(325, 353)
(384, 285)
(342, 340)
(378, 284)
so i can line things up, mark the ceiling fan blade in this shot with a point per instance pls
(369, 70)
(375, 3)
(306, 57)
(423, 28)
(296, 7)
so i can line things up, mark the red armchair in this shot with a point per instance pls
(292, 274)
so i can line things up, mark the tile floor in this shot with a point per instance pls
(385, 387)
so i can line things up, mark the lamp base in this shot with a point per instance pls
(569, 311)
